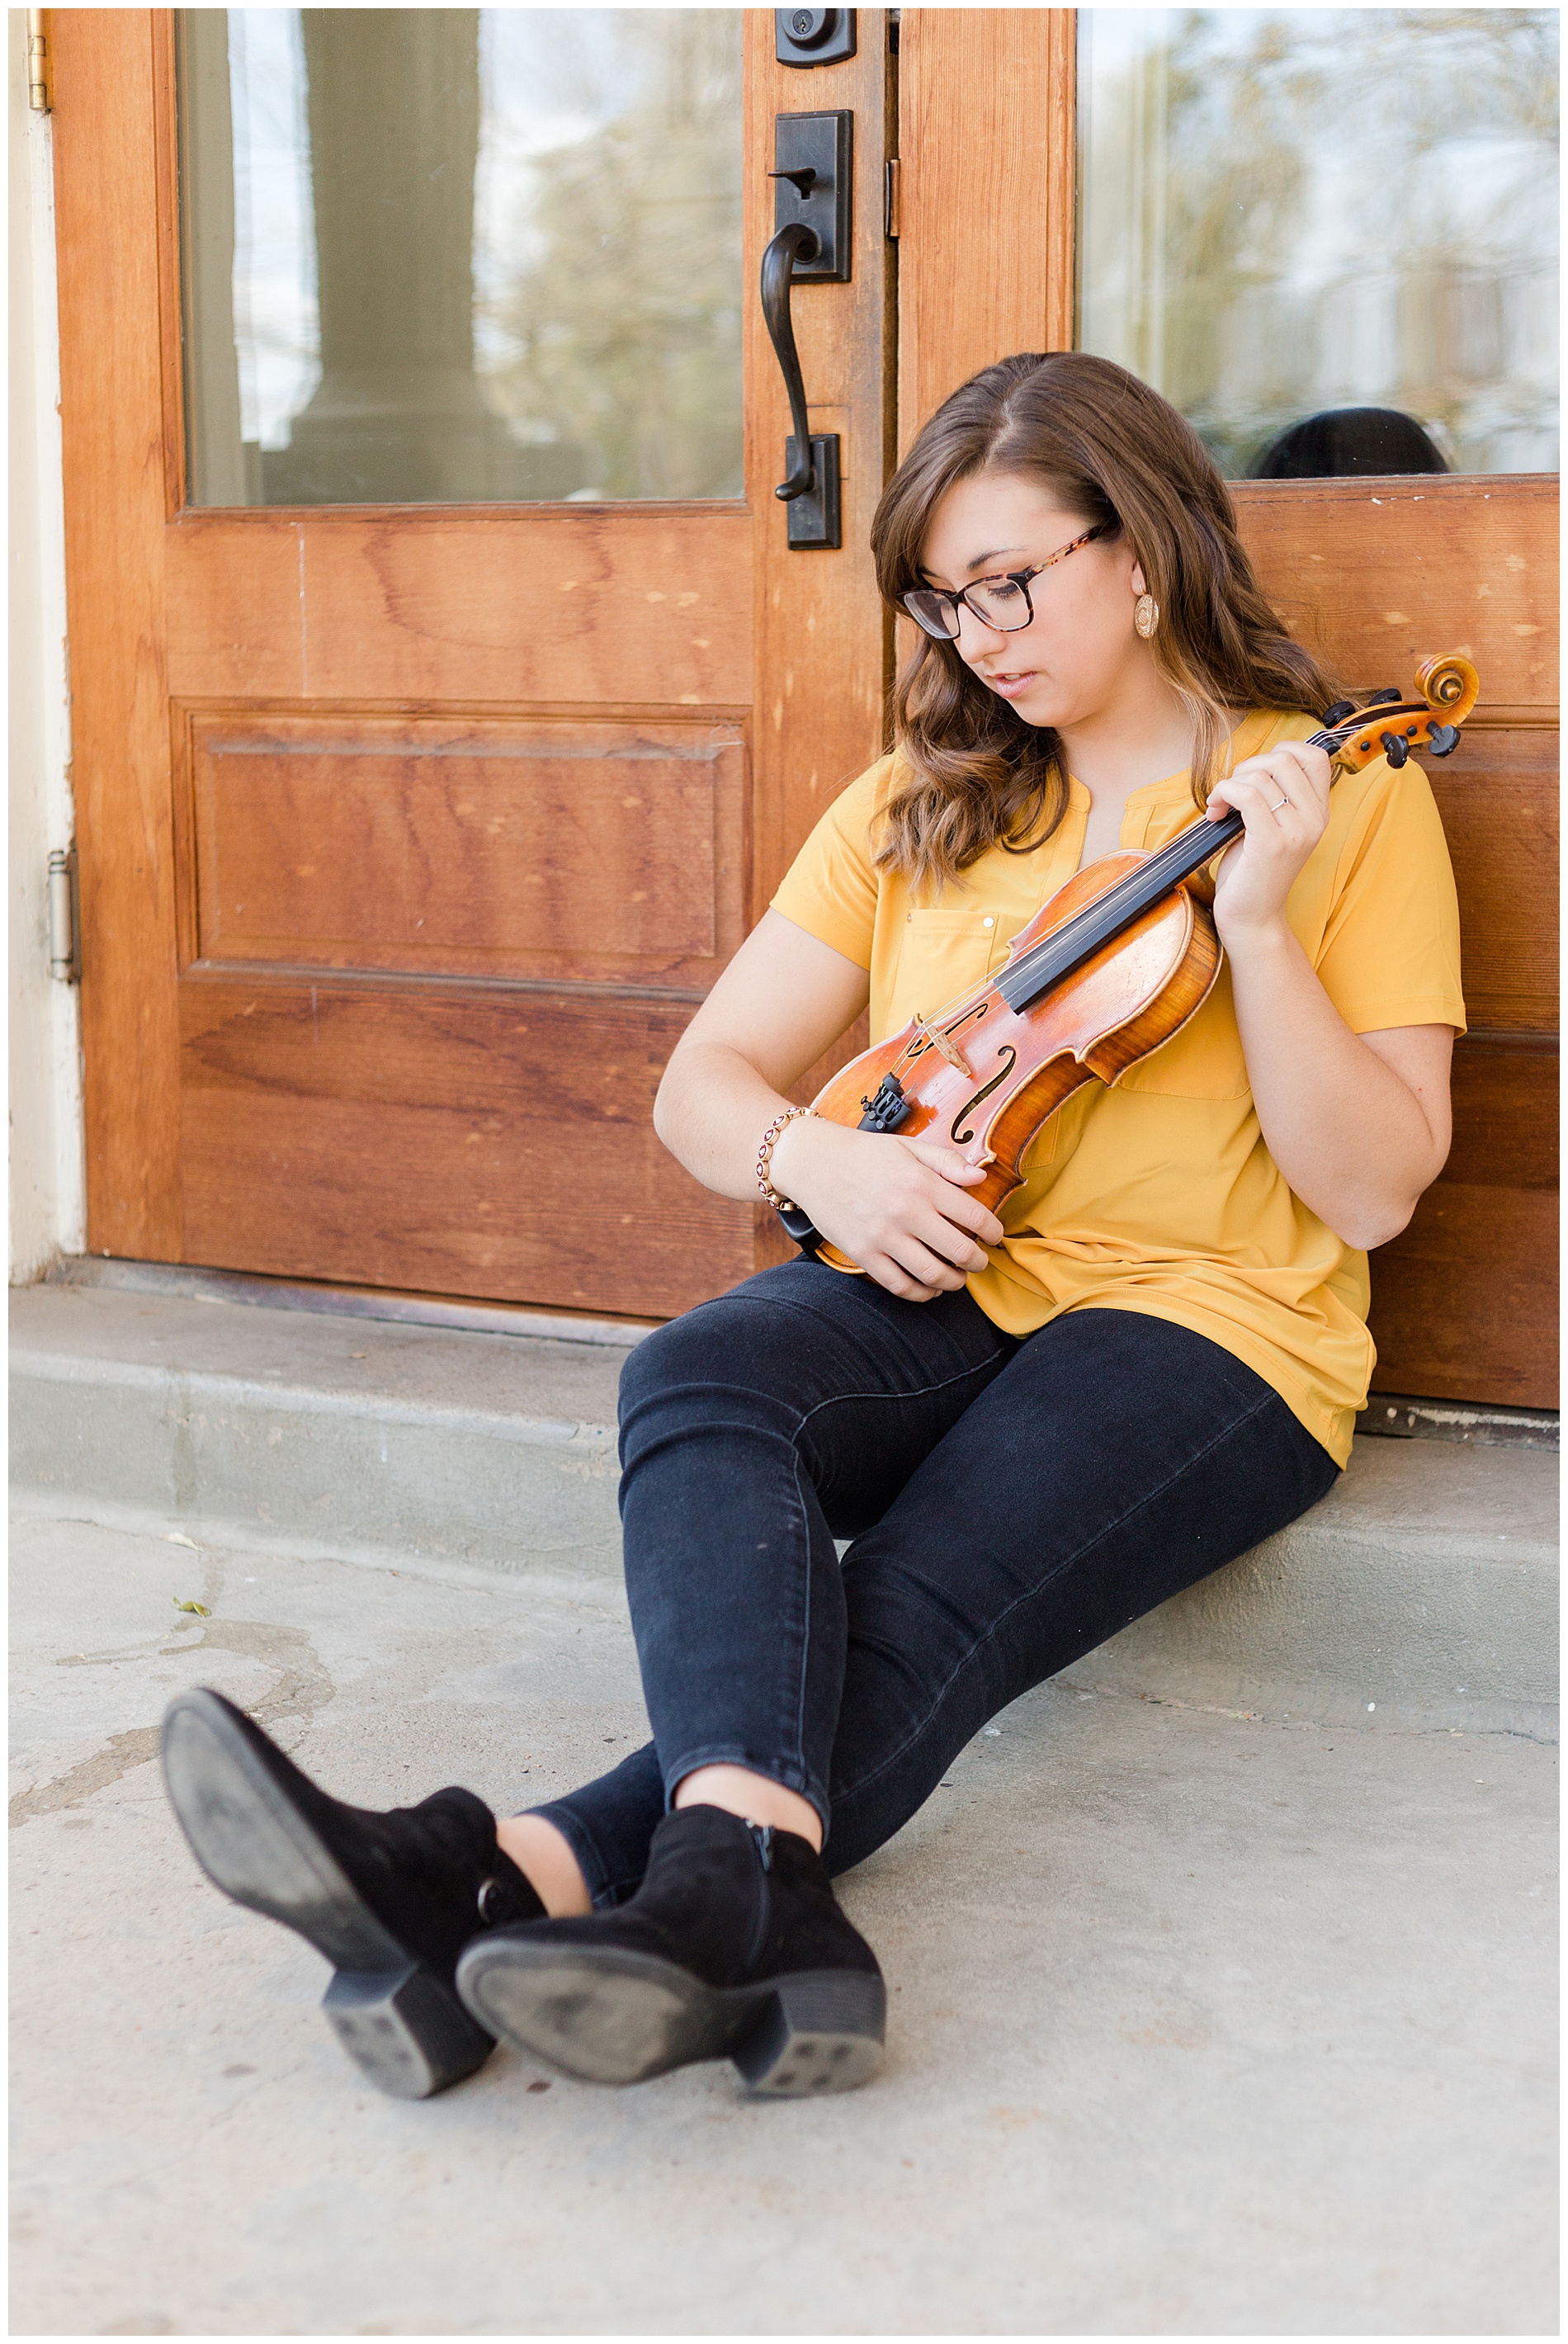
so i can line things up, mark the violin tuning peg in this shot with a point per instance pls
(1444, 740)
(1390, 692)
(1396, 748)
(1340, 713)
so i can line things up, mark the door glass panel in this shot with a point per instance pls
(1328, 236)
(458, 254)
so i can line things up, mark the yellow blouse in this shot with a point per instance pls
(1159, 1194)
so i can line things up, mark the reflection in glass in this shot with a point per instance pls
(460, 254)
(1348, 440)
(1286, 214)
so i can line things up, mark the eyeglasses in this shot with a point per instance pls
(1002, 602)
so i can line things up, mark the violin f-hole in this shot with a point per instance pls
(962, 1138)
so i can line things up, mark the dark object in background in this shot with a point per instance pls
(1348, 440)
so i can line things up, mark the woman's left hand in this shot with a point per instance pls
(1282, 796)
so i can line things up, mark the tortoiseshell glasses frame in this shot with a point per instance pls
(995, 601)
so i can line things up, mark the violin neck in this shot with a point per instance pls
(1079, 938)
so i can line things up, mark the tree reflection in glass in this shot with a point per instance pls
(609, 258)
(1285, 211)
(435, 255)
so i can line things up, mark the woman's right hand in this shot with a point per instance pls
(899, 1207)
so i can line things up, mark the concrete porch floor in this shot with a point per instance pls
(1202, 2023)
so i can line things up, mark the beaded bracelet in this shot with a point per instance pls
(766, 1155)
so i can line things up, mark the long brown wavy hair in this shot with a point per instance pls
(1115, 452)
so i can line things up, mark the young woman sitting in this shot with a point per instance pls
(1031, 1427)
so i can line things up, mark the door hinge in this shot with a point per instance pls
(890, 200)
(65, 916)
(38, 96)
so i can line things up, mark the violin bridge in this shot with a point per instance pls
(948, 1048)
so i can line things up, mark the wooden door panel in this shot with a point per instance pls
(1498, 795)
(576, 603)
(481, 1142)
(1494, 1257)
(1491, 1254)
(1506, 1122)
(1464, 1302)
(1376, 575)
(404, 739)
(492, 846)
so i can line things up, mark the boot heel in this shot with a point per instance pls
(409, 2036)
(821, 2032)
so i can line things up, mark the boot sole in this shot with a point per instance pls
(404, 2029)
(611, 2015)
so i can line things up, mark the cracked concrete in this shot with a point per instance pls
(1202, 2022)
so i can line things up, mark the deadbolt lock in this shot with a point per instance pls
(814, 36)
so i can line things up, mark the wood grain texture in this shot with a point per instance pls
(463, 1142)
(1377, 574)
(986, 131)
(1507, 1134)
(821, 632)
(501, 847)
(823, 640)
(508, 604)
(1491, 1254)
(167, 170)
(1464, 1300)
(1498, 795)
(108, 176)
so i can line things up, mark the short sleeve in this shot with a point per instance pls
(1389, 954)
(830, 888)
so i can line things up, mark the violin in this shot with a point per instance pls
(1109, 968)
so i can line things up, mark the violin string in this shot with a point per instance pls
(1099, 922)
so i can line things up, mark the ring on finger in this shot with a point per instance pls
(1284, 802)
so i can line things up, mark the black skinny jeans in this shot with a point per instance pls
(1010, 1504)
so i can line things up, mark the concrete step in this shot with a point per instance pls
(345, 1435)
(1421, 1593)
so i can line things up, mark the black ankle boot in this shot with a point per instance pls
(390, 1899)
(735, 1944)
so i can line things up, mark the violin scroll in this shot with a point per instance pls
(1450, 684)
(1385, 725)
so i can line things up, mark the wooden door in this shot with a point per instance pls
(1375, 575)
(411, 835)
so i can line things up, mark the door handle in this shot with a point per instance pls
(812, 157)
(795, 242)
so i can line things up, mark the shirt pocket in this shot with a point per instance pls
(941, 955)
(1203, 1061)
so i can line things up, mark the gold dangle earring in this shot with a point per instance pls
(1146, 615)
